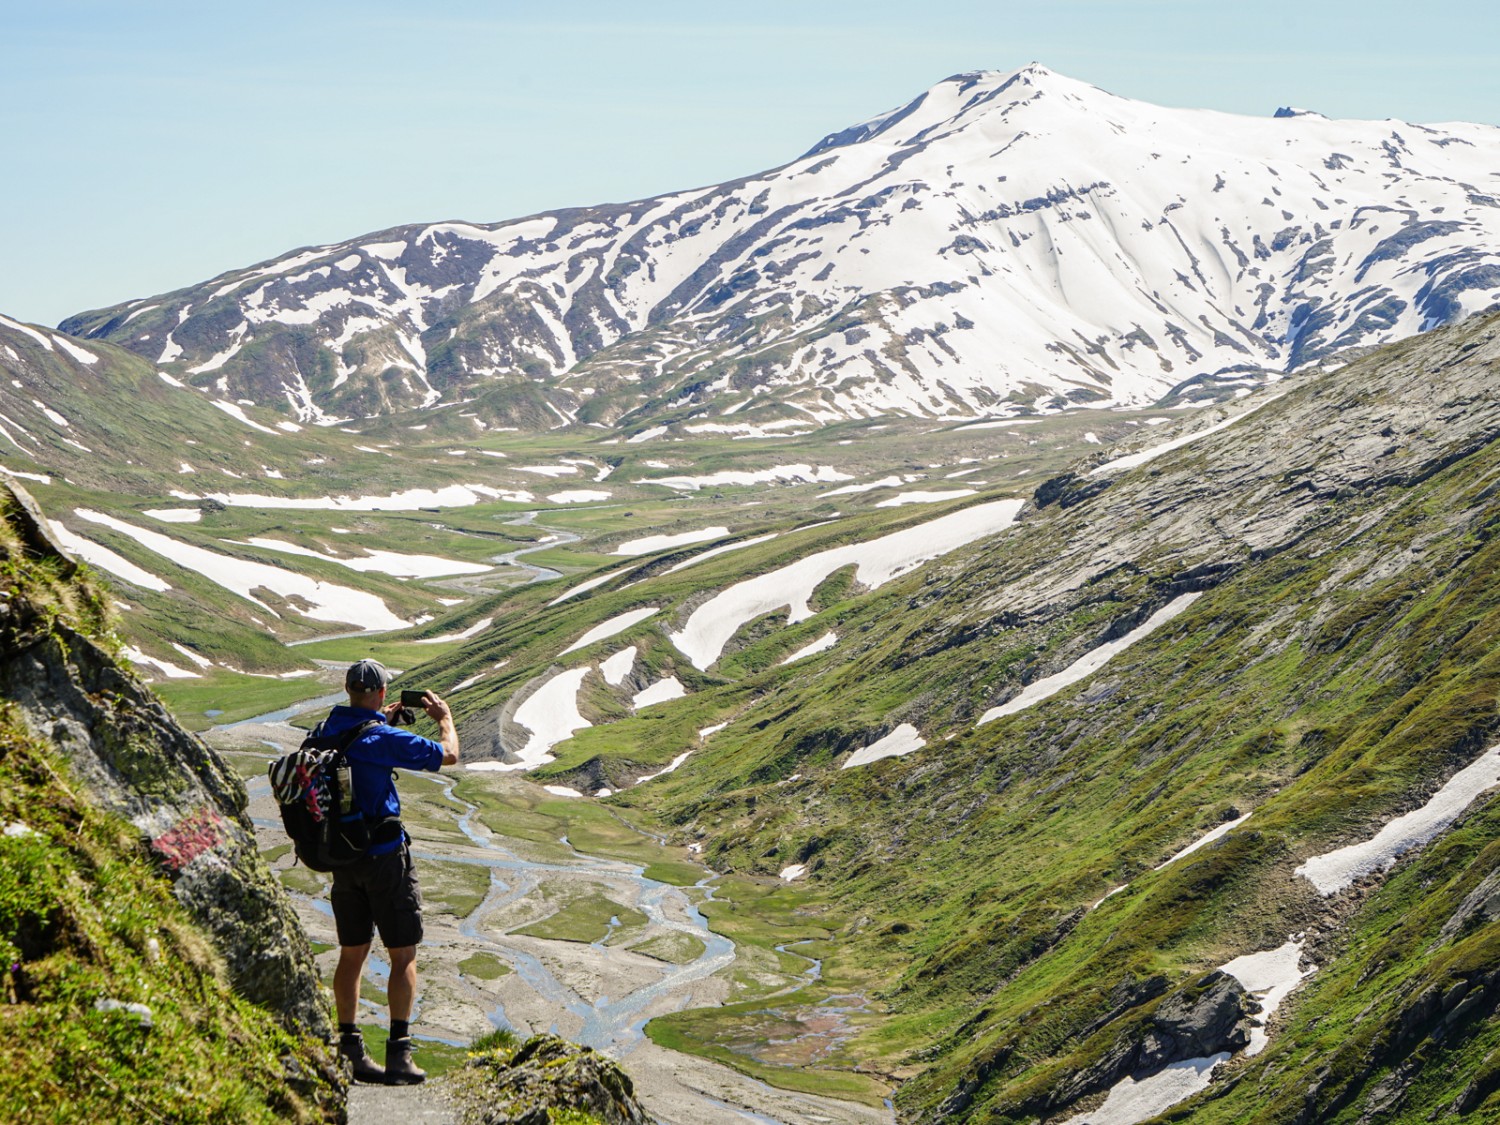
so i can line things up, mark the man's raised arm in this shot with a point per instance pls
(438, 712)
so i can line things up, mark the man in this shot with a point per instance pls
(379, 891)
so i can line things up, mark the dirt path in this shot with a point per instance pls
(426, 1104)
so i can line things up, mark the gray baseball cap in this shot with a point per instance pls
(367, 675)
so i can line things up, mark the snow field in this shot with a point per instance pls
(96, 554)
(585, 586)
(326, 601)
(452, 496)
(1332, 871)
(1134, 460)
(472, 631)
(902, 741)
(652, 543)
(1207, 838)
(165, 667)
(779, 474)
(924, 497)
(1268, 976)
(616, 624)
(617, 667)
(551, 715)
(822, 644)
(579, 496)
(852, 489)
(715, 552)
(383, 562)
(677, 761)
(711, 625)
(175, 515)
(659, 692)
(1087, 664)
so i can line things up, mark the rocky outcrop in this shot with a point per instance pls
(549, 1073)
(1195, 1023)
(139, 764)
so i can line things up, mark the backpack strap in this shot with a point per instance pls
(350, 737)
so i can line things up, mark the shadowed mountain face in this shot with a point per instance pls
(1004, 241)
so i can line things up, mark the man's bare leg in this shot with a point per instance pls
(403, 984)
(346, 999)
(346, 976)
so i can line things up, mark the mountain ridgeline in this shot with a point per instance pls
(1003, 241)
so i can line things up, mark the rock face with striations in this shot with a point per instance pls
(139, 764)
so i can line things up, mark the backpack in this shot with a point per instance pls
(316, 795)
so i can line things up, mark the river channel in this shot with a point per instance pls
(593, 992)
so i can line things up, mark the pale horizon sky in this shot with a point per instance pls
(156, 143)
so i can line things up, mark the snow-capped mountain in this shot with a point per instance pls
(1002, 242)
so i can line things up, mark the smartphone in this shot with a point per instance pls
(417, 699)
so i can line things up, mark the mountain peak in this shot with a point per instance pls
(943, 100)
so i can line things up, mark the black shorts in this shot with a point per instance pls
(378, 892)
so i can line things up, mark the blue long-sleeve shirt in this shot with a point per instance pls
(374, 756)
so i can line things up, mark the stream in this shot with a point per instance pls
(595, 994)
(551, 977)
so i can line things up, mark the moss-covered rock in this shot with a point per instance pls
(547, 1081)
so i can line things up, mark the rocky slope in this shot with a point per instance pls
(1267, 637)
(1002, 242)
(121, 807)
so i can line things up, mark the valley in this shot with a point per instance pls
(938, 633)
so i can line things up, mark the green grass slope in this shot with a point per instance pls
(1338, 667)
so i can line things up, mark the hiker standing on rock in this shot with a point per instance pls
(379, 890)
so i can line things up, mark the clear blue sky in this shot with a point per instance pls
(150, 144)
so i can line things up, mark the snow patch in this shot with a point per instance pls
(904, 740)
(382, 562)
(659, 692)
(924, 497)
(822, 644)
(653, 543)
(793, 474)
(96, 554)
(324, 601)
(1332, 871)
(1087, 664)
(716, 551)
(165, 667)
(473, 630)
(609, 628)
(551, 715)
(711, 625)
(618, 666)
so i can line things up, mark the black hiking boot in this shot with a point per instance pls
(366, 1069)
(399, 1069)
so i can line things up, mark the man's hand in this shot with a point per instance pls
(437, 710)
